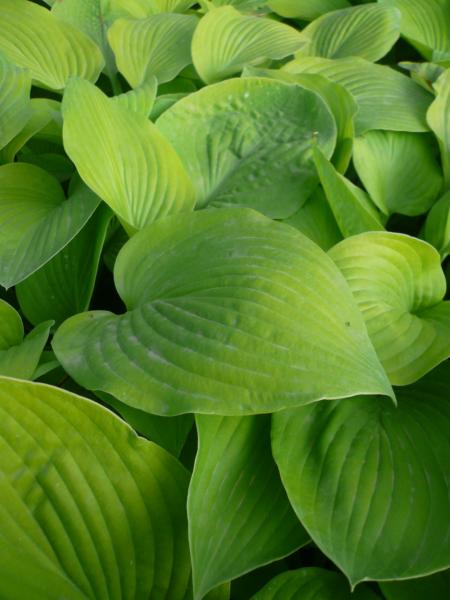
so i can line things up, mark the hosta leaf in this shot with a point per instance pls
(434, 587)
(42, 112)
(368, 30)
(305, 9)
(140, 9)
(15, 84)
(438, 117)
(250, 142)
(316, 220)
(399, 285)
(158, 46)
(36, 222)
(370, 481)
(398, 170)
(352, 209)
(11, 326)
(63, 287)
(141, 99)
(238, 512)
(337, 98)
(98, 511)
(122, 156)
(426, 24)
(312, 584)
(169, 432)
(229, 313)
(437, 226)
(52, 50)
(425, 74)
(57, 165)
(225, 40)
(386, 99)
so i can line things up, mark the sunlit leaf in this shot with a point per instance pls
(305, 9)
(228, 313)
(141, 99)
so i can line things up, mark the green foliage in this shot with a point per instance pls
(224, 237)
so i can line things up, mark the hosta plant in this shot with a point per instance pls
(224, 324)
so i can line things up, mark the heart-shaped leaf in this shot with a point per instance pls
(386, 99)
(31, 37)
(229, 313)
(15, 84)
(225, 40)
(312, 584)
(250, 142)
(158, 46)
(398, 170)
(399, 286)
(36, 221)
(123, 157)
(238, 512)
(99, 512)
(367, 30)
(370, 481)
(305, 9)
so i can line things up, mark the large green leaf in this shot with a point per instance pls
(250, 142)
(434, 587)
(87, 509)
(438, 117)
(159, 45)
(123, 157)
(386, 99)
(238, 512)
(367, 30)
(312, 584)
(426, 24)
(305, 9)
(52, 50)
(353, 211)
(229, 313)
(398, 170)
(316, 220)
(36, 221)
(399, 285)
(370, 481)
(225, 40)
(15, 84)
(63, 287)
(436, 230)
(19, 356)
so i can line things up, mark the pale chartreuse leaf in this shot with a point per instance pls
(438, 117)
(89, 16)
(399, 286)
(42, 112)
(244, 5)
(140, 9)
(36, 221)
(436, 230)
(99, 512)
(312, 584)
(158, 46)
(426, 24)
(250, 142)
(398, 170)
(367, 30)
(316, 220)
(63, 287)
(123, 157)
(15, 85)
(31, 37)
(386, 99)
(370, 480)
(228, 313)
(141, 99)
(239, 515)
(305, 9)
(353, 211)
(434, 587)
(169, 432)
(226, 40)
(338, 99)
